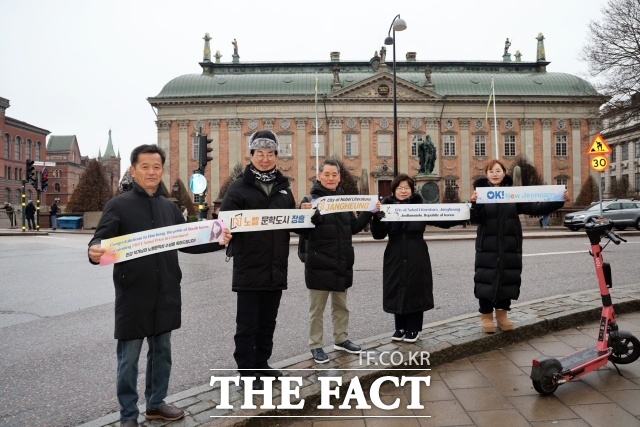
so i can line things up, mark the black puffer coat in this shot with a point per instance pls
(329, 260)
(260, 258)
(407, 282)
(148, 300)
(499, 243)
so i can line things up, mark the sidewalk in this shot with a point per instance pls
(476, 379)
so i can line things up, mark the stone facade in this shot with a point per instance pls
(355, 120)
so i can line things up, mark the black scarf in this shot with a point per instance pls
(266, 176)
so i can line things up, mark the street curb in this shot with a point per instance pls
(449, 351)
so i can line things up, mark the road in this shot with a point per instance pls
(56, 314)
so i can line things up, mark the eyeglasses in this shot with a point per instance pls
(261, 156)
(404, 188)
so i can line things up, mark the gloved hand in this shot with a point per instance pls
(316, 218)
(378, 215)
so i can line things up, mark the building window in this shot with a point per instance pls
(18, 173)
(415, 140)
(8, 172)
(28, 153)
(479, 145)
(562, 181)
(450, 183)
(614, 150)
(18, 196)
(625, 181)
(7, 146)
(624, 147)
(637, 148)
(637, 187)
(561, 145)
(351, 145)
(16, 147)
(56, 187)
(509, 145)
(449, 143)
(286, 146)
(196, 148)
(320, 145)
(614, 182)
(384, 144)
(38, 151)
(29, 195)
(7, 194)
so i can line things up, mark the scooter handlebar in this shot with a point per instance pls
(613, 237)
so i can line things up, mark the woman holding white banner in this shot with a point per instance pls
(407, 282)
(498, 263)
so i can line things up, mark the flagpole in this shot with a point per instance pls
(495, 120)
(316, 144)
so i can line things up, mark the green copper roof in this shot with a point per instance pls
(60, 143)
(453, 79)
(109, 151)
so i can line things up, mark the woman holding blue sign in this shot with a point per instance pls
(498, 263)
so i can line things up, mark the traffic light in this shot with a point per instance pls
(31, 171)
(204, 148)
(43, 180)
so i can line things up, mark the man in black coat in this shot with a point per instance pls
(260, 259)
(148, 300)
(328, 267)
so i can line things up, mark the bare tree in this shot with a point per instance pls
(612, 52)
(235, 173)
(530, 175)
(93, 190)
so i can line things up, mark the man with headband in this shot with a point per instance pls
(260, 259)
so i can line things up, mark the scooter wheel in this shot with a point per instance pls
(625, 348)
(545, 386)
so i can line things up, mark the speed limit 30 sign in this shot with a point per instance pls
(599, 163)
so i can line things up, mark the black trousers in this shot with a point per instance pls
(486, 306)
(255, 323)
(410, 322)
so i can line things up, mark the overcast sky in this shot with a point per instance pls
(83, 67)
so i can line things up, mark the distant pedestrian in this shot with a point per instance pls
(30, 215)
(53, 211)
(11, 213)
(544, 221)
(185, 212)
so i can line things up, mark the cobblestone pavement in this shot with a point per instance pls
(476, 379)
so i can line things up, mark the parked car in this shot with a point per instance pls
(623, 213)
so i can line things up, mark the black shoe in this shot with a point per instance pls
(319, 355)
(348, 346)
(268, 371)
(411, 336)
(398, 335)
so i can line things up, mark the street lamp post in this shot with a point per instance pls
(398, 24)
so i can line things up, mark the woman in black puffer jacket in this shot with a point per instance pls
(498, 262)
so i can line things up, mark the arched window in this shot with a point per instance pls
(7, 146)
(19, 174)
(17, 148)
(29, 195)
(7, 194)
(38, 151)
(56, 187)
(28, 154)
(18, 196)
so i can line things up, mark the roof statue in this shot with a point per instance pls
(383, 54)
(336, 75)
(235, 47)
(427, 75)
(540, 54)
(507, 45)
(206, 56)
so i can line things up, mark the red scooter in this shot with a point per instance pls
(619, 347)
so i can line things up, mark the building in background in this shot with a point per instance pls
(622, 133)
(64, 150)
(547, 117)
(20, 141)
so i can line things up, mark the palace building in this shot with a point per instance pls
(547, 117)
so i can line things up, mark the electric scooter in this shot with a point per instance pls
(619, 347)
